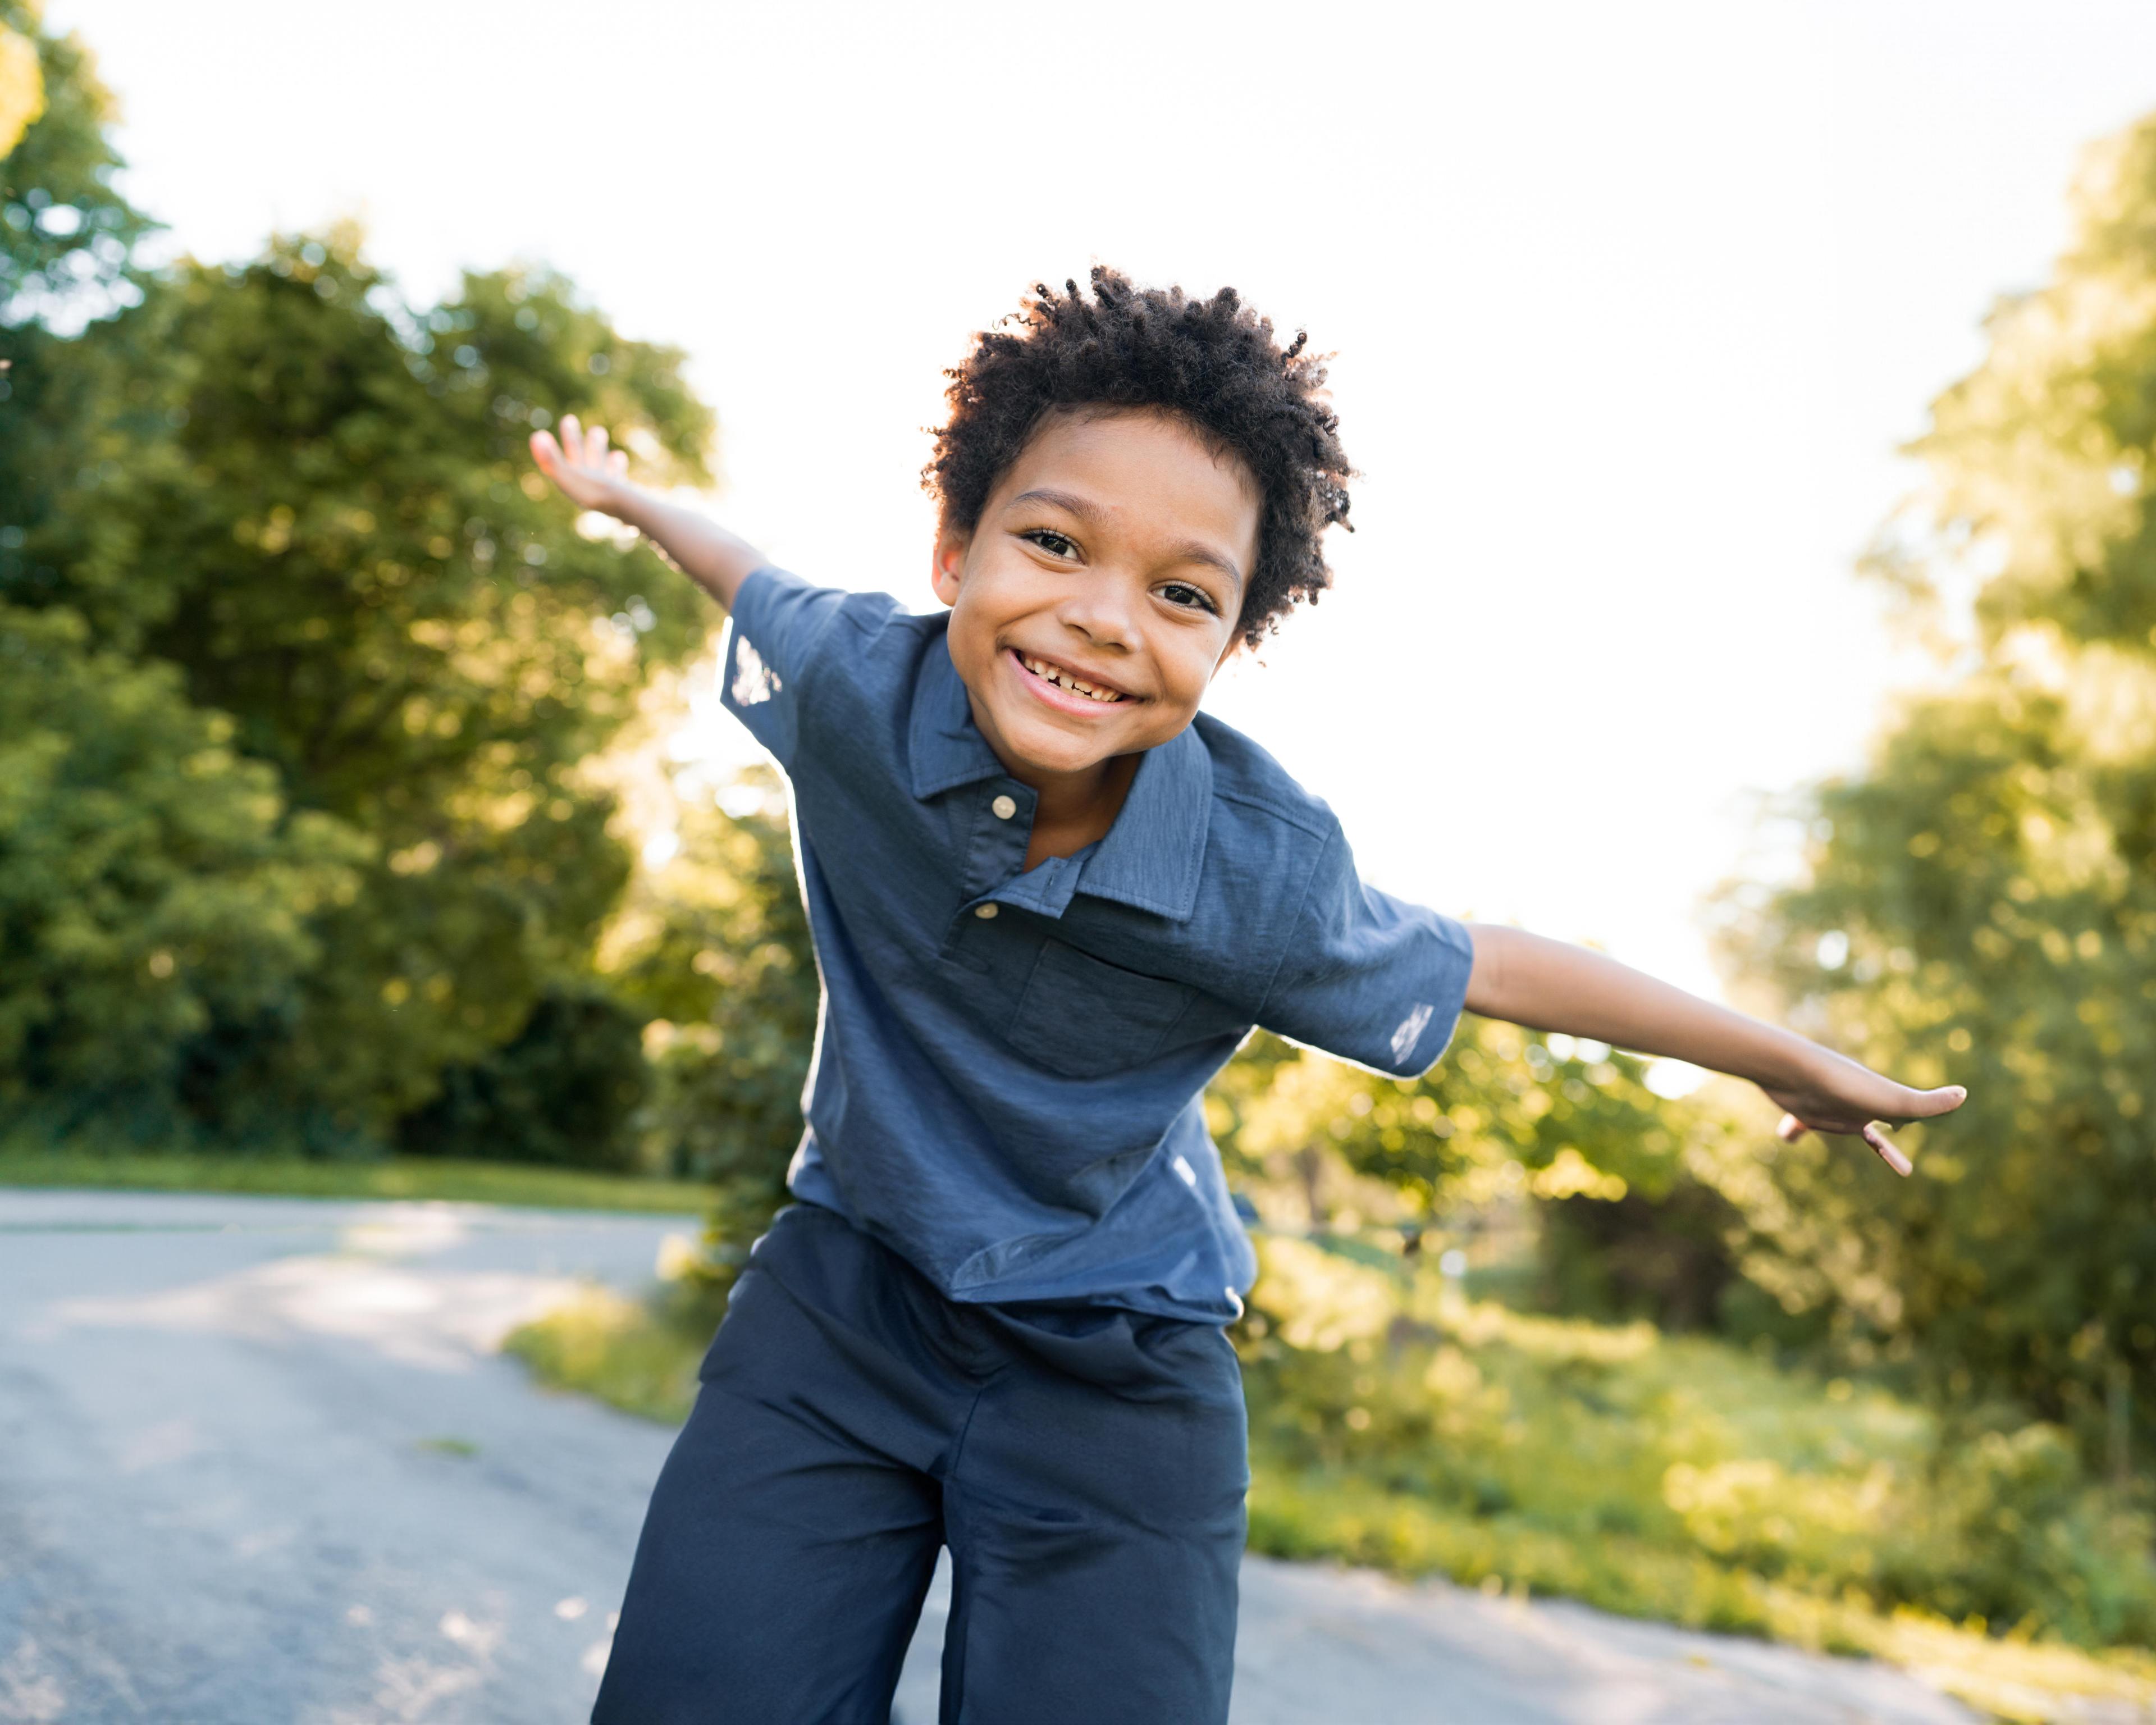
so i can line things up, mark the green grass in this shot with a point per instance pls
(2016, 1677)
(630, 1354)
(404, 1176)
(1396, 1425)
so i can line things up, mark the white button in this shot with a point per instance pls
(987, 913)
(1004, 808)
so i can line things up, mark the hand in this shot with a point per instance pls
(591, 475)
(1838, 1096)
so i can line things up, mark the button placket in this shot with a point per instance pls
(995, 857)
(996, 850)
(1005, 837)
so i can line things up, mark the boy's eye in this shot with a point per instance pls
(1182, 593)
(1051, 541)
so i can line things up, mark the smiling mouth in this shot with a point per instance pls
(1069, 680)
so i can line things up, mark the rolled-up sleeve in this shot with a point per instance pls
(779, 622)
(1368, 977)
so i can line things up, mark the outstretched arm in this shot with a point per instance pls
(1547, 985)
(592, 476)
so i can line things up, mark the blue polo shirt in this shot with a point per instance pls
(1010, 1063)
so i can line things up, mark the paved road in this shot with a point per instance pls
(261, 1465)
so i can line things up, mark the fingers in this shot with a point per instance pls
(1792, 1128)
(1887, 1153)
(546, 453)
(581, 446)
(1906, 1104)
(1929, 1102)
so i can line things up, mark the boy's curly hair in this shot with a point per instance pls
(1212, 363)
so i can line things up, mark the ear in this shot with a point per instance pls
(1234, 646)
(947, 564)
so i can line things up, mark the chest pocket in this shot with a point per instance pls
(1085, 1018)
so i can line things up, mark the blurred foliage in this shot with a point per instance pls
(713, 945)
(66, 237)
(639, 1355)
(1504, 1113)
(1510, 1129)
(295, 510)
(30, 1158)
(623, 1351)
(153, 882)
(21, 87)
(1669, 1260)
(1979, 905)
(564, 1090)
(334, 538)
(1590, 1430)
(152, 885)
(1394, 1421)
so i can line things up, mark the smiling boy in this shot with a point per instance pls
(1050, 897)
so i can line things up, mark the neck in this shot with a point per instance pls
(1081, 801)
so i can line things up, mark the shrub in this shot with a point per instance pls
(1395, 1423)
(564, 1090)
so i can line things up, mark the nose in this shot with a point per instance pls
(1105, 609)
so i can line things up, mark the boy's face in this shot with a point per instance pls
(1113, 554)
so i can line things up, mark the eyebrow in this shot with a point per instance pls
(1190, 551)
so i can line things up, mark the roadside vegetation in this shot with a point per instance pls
(1397, 1423)
(401, 1177)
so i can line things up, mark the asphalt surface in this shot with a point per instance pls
(261, 1463)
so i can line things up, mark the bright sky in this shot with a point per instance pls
(1633, 304)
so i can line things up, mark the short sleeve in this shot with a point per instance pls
(1368, 977)
(778, 626)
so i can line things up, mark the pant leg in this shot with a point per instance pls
(1096, 1521)
(792, 1532)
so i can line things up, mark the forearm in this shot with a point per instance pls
(716, 560)
(1549, 985)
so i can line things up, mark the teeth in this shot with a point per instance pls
(1063, 679)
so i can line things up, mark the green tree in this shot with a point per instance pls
(67, 243)
(152, 881)
(313, 501)
(304, 499)
(300, 834)
(566, 1089)
(1979, 905)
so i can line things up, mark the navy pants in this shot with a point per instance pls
(1086, 1467)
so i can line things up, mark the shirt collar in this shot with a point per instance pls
(1153, 854)
(946, 748)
